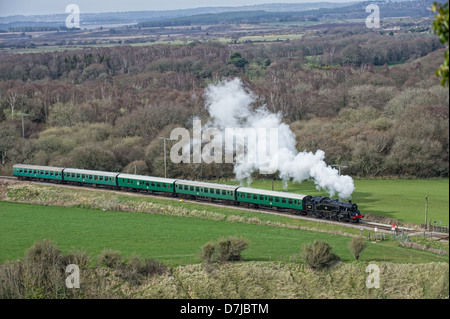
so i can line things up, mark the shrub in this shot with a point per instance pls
(110, 258)
(319, 255)
(42, 272)
(226, 249)
(137, 269)
(357, 246)
(11, 286)
(208, 251)
(230, 248)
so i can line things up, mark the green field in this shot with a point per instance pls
(172, 239)
(400, 199)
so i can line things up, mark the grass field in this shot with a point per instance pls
(400, 199)
(172, 239)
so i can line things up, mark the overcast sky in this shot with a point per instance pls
(32, 7)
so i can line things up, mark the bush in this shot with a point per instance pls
(110, 258)
(357, 246)
(208, 251)
(230, 248)
(226, 249)
(319, 255)
(40, 276)
(137, 269)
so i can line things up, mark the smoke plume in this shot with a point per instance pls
(229, 105)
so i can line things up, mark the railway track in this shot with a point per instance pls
(362, 225)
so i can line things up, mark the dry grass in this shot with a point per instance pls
(41, 275)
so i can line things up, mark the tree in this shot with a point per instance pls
(357, 246)
(440, 27)
(95, 158)
(237, 60)
(10, 137)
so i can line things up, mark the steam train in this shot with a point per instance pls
(319, 207)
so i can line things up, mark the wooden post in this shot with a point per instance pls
(426, 211)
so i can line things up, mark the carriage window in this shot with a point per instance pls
(290, 201)
(283, 201)
(46, 172)
(206, 190)
(192, 188)
(277, 200)
(197, 189)
(249, 196)
(255, 196)
(270, 199)
(51, 173)
(224, 192)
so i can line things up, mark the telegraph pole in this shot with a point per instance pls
(165, 157)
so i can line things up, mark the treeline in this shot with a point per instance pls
(340, 46)
(36, 29)
(104, 108)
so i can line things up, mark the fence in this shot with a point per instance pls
(434, 227)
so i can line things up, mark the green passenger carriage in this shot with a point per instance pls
(83, 176)
(148, 183)
(271, 198)
(38, 172)
(208, 190)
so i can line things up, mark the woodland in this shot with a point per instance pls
(369, 99)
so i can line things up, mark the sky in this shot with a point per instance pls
(36, 7)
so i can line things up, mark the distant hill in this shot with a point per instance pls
(264, 13)
(413, 9)
(133, 17)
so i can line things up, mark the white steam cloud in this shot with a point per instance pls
(229, 106)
